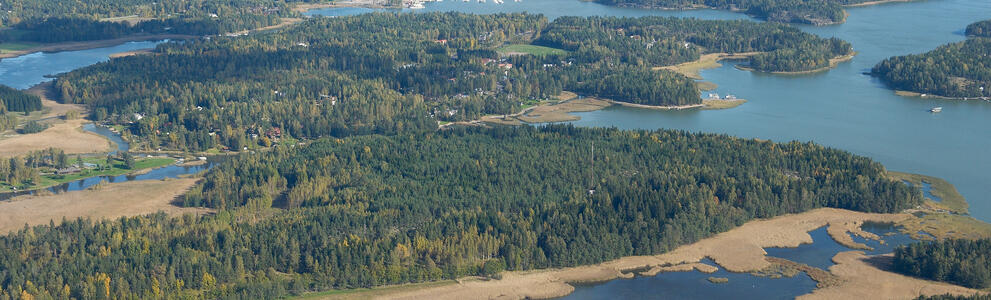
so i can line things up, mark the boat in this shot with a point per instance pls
(936, 109)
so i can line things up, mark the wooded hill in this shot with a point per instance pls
(955, 70)
(373, 210)
(388, 73)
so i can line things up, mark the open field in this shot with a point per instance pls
(130, 20)
(132, 53)
(943, 225)
(111, 200)
(50, 108)
(738, 250)
(68, 136)
(72, 46)
(529, 50)
(951, 198)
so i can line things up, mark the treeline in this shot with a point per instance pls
(657, 41)
(388, 73)
(979, 29)
(51, 30)
(955, 297)
(184, 16)
(20, 172)
(955, 70)
(958, 261)
(12, 99)
(817, 12)
(375, 210)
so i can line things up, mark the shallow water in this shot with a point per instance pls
(695, 285)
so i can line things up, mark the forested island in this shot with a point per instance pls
(958, 70)
(820, 12)
(372, 210)
(389, 73)
(958, 261)
(979, 29)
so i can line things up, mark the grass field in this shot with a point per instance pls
(529, 49)
(16, 46)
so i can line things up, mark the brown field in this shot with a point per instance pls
(864, 277)
(721, 104)
(111, 200)
(132, 53)
(51, 108)
(738, 250)
(68, 136)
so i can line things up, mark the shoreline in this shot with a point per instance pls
(904, 93)
(871, 3)
(739, 250)
(86, 45)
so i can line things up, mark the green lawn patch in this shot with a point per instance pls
(530, 49)
(951, 199)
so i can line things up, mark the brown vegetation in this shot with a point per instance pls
(112, 200)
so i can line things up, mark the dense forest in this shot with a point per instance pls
(955, 297)
(818, 12)
(12, 99)
(77, 20)
(979, 29)
(963, 262)
(373, 210)
(388, 73)
(956, 70)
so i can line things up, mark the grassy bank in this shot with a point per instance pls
(118, 169)
(951, 198)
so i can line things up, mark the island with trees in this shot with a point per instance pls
(821, 12)
(957, 70)
(389, 73)
(373, 210)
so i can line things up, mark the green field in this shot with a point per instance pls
(117, 169)
(951, 199)
(16, 46)
(530, 49)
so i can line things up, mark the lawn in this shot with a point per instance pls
(530, 49)
(16, 46)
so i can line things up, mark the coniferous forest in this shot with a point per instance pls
(389, 73)
(373, 210)
(957, 261)
(958, 70)
(12, 99)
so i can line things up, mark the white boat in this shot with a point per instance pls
(936, 109)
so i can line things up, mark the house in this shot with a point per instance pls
(68, 170)
(441, 41)
(506, 65)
